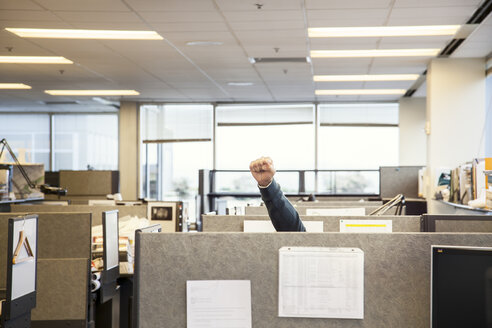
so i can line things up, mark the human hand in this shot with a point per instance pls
(262, 170)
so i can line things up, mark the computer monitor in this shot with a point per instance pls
(21, 267)
(461, 287)
(111, 247)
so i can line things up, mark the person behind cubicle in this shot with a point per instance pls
(282, 214)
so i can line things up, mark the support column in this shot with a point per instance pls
(129, 151)
(413, 141)
(455, 115)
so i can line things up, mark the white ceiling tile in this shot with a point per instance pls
(19, 5)
(191, 27)
(353, 14)
(479, 43)
(288, 25)
(344, 4)
(181, 38)
(33, 16)
(95, 5)
(181, 16)
(435, 3)
(346, 22)
(270, 5)
(463, 12)
(172, 5)
(343, 43)
(99, 16)
(427, 20)
(265, 16)
(421, 91)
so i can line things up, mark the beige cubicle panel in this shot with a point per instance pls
(396, 274)
(302, 207)
(235, 223)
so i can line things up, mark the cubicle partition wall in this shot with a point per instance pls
(95, 210)
(235, 223)
(456, 223)
(64, 253)
(394, 180)
(396, 274)
(303, 207)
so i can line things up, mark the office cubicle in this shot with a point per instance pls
(456, 223)
(396, 274)
(235, 223)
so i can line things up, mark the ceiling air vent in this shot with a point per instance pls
(281, 60)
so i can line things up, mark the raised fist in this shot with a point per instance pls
(262, 170)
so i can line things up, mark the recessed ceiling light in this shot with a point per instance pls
(380, 31)
(372, 77)
(374, 53)
(84, 34)
(34, 60)
(240, 84)
(204, 43)
(352, 92)
(14, 86)
(92, 92)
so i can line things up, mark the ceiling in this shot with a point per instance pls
(172, 71)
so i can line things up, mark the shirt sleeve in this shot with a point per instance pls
(283, 215)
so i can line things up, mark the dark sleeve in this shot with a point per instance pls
(283, 215)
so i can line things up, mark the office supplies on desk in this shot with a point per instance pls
(218, 303)
(321, 282)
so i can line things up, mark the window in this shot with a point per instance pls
(86, 142)
(29, 137)
(176, 144)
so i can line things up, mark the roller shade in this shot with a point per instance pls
(243, 115)
(176, 123)
(358, 114)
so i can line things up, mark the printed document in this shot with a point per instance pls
(218, 303)
(366, 225)
(349, 211)
(267, 226)
(319, 282)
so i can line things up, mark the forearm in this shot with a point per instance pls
(283, 215)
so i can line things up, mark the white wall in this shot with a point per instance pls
(413, 141)
(455, 113)
(129, 150)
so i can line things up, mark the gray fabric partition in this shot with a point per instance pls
(396, 284)
(62, 289)
(96, 210)
(235, 223)
(60, 235)
(394, 180)
(301, 209)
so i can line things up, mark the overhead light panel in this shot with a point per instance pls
(204, 43)
(372, 77)
(240, 84)
(380, 31)
(374, 53)
(92, 92)
(12, 86)
(359, 92)
(34, 60)
(84, 34)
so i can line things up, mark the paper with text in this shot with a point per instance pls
(267, 226)
(349, 211)
(366, 226)
(318, 282)
(218, 303)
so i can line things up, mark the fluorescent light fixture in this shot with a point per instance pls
(380, 31)
(92, 92)
(359, 92)
(374, 53)
(34, 60)
(84, 34)
(14, 86)
(373, 77)
(204, 43)
(240, 84)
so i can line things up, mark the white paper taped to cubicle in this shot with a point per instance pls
(267, 226)
(320, 282)
(376, 226)
(350, 211)
(218, 303)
